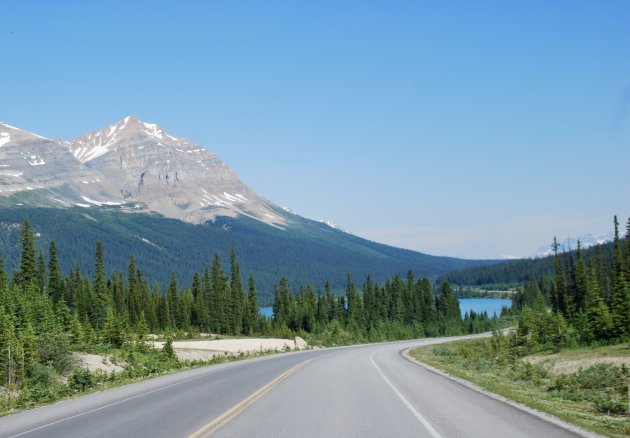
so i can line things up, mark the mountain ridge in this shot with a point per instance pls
(141, 191)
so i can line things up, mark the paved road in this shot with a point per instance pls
(363, 391)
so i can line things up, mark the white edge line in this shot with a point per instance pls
(106, 406)
(534, 412)
(413, 410)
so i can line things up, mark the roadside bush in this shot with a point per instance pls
(605, 385)
(81, 380)
(54, 349)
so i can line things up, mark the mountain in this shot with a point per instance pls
(46, 173)
(570, 243)
(169, 175)
(172, 203)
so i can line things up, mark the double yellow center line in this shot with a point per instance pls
(230, 414)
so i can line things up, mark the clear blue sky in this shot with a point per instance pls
(472, 128)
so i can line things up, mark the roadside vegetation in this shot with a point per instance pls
(569, 355)
(46, 318)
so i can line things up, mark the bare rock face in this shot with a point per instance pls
(132, 164)
(48, 172)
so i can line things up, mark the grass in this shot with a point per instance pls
(582, 390)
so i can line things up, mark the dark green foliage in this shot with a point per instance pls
(518, 272)
(27, 273)
(305, 252)
(604, 384)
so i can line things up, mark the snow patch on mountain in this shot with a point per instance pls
(570, 244)
(5, 137)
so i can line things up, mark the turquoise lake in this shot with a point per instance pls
(479, 305)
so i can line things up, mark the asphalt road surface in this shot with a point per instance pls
(361, 391)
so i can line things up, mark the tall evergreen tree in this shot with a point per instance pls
(55, 278)
(620, 294)
(28, 269)
(217, 290)
(559, 296)
(253, 312)
(238, 298)
(100, 290)
(41, 273)
(581, 281)
(171, 297)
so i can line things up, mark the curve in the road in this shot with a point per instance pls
(361, 391)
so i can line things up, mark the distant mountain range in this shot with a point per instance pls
(570, 243)
(143, 191)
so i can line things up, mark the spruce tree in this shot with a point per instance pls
(620, 310)
(41, 273)
(596, 309)
(3, 276)
(253, 312)
(28, 269)
(217, 289)
(238, 298)
(171, 297)
(559, 298)
(99, 289)
(55, 278)
(581, 280)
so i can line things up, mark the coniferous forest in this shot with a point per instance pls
(45, 316)
(589, 300)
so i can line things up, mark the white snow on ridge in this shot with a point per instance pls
(83, 205)
(18, 129)
(5, 137)
(99, 203)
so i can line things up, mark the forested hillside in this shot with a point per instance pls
(305, 252)
(45, 316)
(517, 272)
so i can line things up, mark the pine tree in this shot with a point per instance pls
(171, 296)
(620, 310)
(253, 312)
(41, 273)
(217, 290)
(355, 305)
(559, 298)
(100, 287)
(238, 298)
(281, 302)
(596, 310)
(142, 330)
(581, 281)
(3, 276)
(55, 278)
(28, 269)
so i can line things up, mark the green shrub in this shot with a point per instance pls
(81, 380)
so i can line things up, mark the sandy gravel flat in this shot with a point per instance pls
(96, 362)
(205, 350)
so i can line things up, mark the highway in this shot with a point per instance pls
(360, 391)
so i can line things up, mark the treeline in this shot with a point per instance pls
(589, 300)
(304, 251)
(512, 273)
(44, 315)
(398, 309)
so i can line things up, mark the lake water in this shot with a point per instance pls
(479, 305)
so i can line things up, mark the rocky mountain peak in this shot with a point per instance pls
(10, 133)
(129, 130)
(132, 164)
